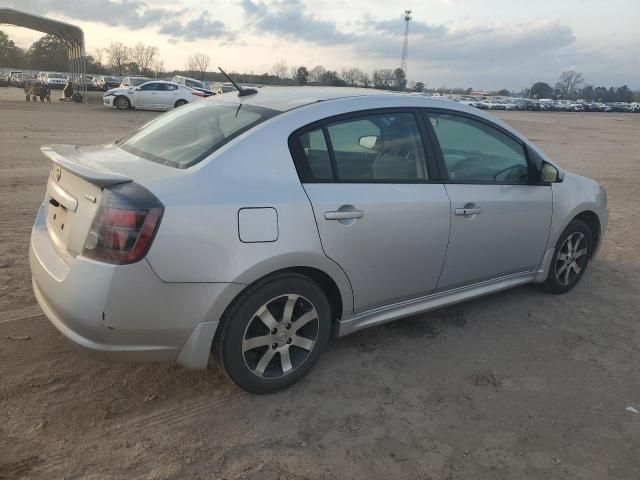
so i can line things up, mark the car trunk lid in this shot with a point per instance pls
(74, 190)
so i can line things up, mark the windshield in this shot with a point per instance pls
(54, 75)
(184, 136)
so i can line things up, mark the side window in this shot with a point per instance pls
(476, 152)
(378, 147)
(317, 154)
(150, 86)
(191, 83)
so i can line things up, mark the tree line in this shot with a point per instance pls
(571, 85)
(49, 54)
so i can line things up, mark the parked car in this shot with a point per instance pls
(197, 85)
(155, 95)
(251, 227)
(133, 81)
(20, 79)
(4, 80)
(53, 79)
(106, 82)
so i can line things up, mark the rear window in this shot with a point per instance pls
(184, 136)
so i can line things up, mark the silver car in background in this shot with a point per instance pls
(251, 227)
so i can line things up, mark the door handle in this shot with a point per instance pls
(468, 211)
(339, 215)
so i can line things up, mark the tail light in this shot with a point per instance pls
(124, 226)
(197, 93)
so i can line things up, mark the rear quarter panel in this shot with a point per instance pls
(198, 240)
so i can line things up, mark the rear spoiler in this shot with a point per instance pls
(69, 158)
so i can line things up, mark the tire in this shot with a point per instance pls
(122, 103)
(273, 361)
(573, 250)
(180, 103)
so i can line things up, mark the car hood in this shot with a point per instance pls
(119, 90)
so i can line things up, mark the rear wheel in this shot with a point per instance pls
(180, 103)
(570, 259)
(122, 103)
(273, 333)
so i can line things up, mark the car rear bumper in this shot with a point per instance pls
(125, 312)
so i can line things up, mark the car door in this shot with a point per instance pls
(500, 213)
(147, 95)
(379, 214)
(166, 97)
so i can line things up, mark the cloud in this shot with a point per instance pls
(132, 14)
(287, 18)
(196, 29)
(128, 13)
(502, 52)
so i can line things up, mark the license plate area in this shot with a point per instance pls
(57, 223)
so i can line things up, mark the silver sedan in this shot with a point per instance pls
(248, 228)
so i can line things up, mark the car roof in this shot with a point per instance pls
(288, 98)
(161, 81)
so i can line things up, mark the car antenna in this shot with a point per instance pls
(242, 92)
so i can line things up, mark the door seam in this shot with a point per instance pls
(446, 252)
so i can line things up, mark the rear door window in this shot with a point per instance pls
(368, 148)
(317, 154)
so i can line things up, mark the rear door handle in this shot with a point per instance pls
(338, 215)
(468, 211)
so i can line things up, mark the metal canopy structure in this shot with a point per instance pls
(71, 36)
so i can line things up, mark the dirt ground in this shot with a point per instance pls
(517, 385)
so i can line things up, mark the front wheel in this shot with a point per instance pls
(273, 333)
(570, 259)
(122, 103)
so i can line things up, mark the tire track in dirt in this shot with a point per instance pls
(26, 467)
(182, 415)
(18, 314)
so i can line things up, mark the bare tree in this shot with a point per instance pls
(98, 55)
(315, 74)
(145, 56)
(190, 65)
(383, 78)
(353, 76)
(364, 79)
(158, 67)
(569, 82)
(202, 61)
(119, 56)
(280, 68)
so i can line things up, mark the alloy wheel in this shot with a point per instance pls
(572, 258)
(122, 103)
(280, 336)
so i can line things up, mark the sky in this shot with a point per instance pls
(488, 44)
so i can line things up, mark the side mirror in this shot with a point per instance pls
(551, 174)
(368, 141)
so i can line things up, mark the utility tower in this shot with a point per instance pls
(405, 47)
